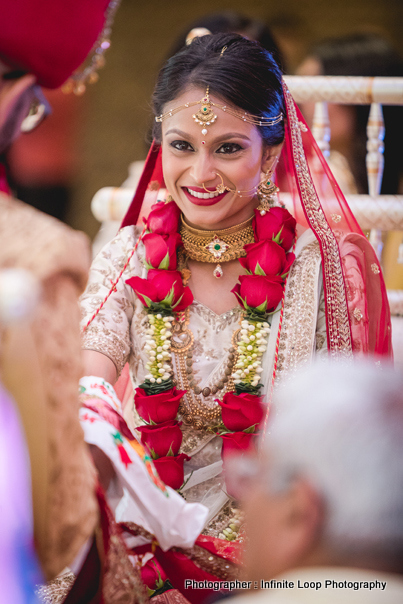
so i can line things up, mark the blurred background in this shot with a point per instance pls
(89, 141)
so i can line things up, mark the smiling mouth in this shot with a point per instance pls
(203, 195)
(203, 198)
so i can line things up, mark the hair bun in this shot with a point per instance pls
(197, 32)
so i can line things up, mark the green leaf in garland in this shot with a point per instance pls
(167, 301)
(277, 238)
(153, 453)
(151, 388)
(245, 387)
(147, 300)
(170, 452)
(167, 586)
(259, 270)
(262, 307)
(164, 264)
(156, 308)
(250, 430)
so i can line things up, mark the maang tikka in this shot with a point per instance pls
(205, 116)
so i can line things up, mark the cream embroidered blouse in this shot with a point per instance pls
(118, 331)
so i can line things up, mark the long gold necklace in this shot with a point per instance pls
(193, 409)
(216, 246)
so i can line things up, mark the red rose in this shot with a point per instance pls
(152, 574)
(170, 469)
(262, 293)
(236, 443)
(242, 411)
(163, 218)
(277, 222)
(164, 287)
(289, 260)
(264, 258)
(162, 439)
(158, 408)
(161, 250)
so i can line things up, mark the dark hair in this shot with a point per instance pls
(227, 22)
(368, 55)
(245, 76)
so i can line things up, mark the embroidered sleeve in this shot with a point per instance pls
(109, 331)
(321, 335)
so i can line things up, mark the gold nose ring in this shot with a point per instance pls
(221, 188)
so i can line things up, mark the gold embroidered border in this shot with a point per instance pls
(108, 343)
(56, 590)
(219, 567)
(299, 321)
(337, 317)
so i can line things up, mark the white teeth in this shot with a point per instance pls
(203, 195)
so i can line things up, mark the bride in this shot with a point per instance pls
(221, 294)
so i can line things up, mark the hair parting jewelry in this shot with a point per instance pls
(206, 116)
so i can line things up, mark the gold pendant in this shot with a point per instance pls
(218, 272)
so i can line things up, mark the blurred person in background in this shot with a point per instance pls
(359, 55)
(324, 505)
(42, 164)
(232, 22)
(78, 543)
(362, 54)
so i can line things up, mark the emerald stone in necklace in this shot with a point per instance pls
(217, 247)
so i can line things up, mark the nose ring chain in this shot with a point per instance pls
(221, 188)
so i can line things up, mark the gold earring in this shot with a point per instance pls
(266, 192)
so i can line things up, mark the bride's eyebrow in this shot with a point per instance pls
(222, 137)
(179, 132)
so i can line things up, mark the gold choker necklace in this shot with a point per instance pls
(217, 246)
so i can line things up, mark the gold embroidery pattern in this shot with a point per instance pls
(122, 583)
(336, 217)
(335, 293)
(193, 440)
(375, 268)
(219, 567)
(295, 345)
(55, 591)
(105, 341)
(218, 322)
(357, 314)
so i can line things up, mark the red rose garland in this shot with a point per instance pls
(162, 293)
(259, 293)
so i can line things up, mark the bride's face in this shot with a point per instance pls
(231, 148)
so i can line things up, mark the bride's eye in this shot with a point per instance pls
(181, 146)
(229, 148)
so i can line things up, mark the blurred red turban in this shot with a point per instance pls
(49, 38)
